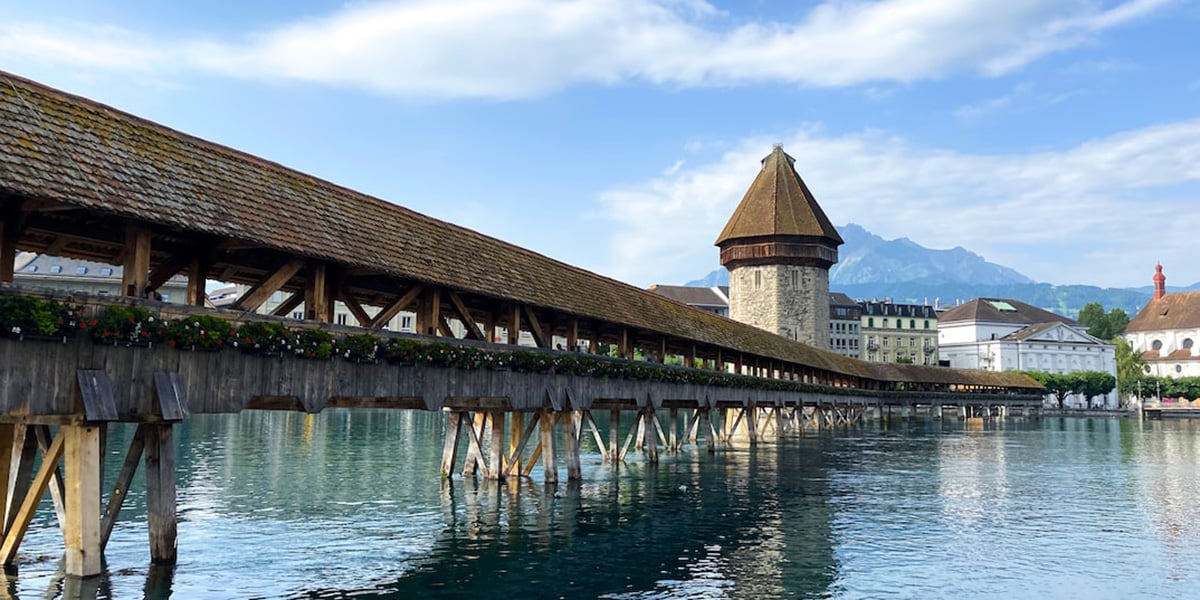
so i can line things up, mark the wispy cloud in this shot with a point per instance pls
(520, 48)
(1096, 212)
(998, 104)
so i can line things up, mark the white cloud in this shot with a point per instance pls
(520, 48)
(1099, 212)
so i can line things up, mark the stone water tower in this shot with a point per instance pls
(778, 247)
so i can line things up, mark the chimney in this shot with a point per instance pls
(1160, 282)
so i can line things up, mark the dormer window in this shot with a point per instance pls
(56, 268)
(81, 270)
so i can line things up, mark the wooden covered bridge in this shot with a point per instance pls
(82, 180)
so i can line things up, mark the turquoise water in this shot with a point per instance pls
(348, 504)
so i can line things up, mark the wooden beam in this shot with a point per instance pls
(546, 419)
(166, 270)
(121, 488)
(539, 335)
(429, 313)
(624, 348)
(454, 428)
(464, 315)
(135, 273)
(395, 307)
(573, 334)
(390, 402)
(57, 490)
(318, 306)
(8, 249)
(259, 292)
(285, 309)
(571, 429)
(20, 473)
(82, 532)
(161, 517)
(30, 501)
(197, 275)
(355, 309)
(514, 325)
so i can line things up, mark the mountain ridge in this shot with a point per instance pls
(907, 272)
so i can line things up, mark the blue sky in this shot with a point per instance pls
(1059, 138)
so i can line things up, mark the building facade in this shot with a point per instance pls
(993, 334)
(778, 246)
(905, 333)
(1167, 331)
(84, 276)
(845, 327)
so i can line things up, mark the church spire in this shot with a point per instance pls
(1160, 282)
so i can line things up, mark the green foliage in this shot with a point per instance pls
(1130, 367)
(128, 325)
(313, 343)
(1101, 325)
(1061, 385)
(904, 360)
(263, 337)
(1094, 383)
(24, 315)
(199, 332)
(361, 347)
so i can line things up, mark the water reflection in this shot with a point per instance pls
(349, 504)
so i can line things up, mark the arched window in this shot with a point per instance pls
(926, 323)
(899, 324)
(870, 321)
(912, 323)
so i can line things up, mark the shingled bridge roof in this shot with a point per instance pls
(61, 147)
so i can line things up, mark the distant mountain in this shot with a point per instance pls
(906, 272)
(868, 258)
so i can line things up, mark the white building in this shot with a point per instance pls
(1008, 335)
(845, 335)
(1166, 332)
(84, 276)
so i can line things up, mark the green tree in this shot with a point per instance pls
(1055, 383)
(1102, 325)
(1095, 383)
(1130, 367)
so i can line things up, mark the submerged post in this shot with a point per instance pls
(160, 493)
(81, 533)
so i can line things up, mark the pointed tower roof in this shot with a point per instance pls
(779, 204)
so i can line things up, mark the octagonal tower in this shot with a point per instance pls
(778, 247)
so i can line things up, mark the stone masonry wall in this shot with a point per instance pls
(786, 300)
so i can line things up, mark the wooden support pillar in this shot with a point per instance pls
(82, 503)
(27, 505)
(650, 426)
(673, 444)
(573, 335)
(197, 274)
(318, 306)
(614, 436)
(489, 326)
(514, 325)
(454, 426)
(710, 432)
(160, 492)
(516, 429)
(752, 423)
(624, 347)
(429, 313)
(477, 424)
(572, 427)
(135, 273)
(549, 464)
(495, 461)
(19, 473)
(8, 251)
